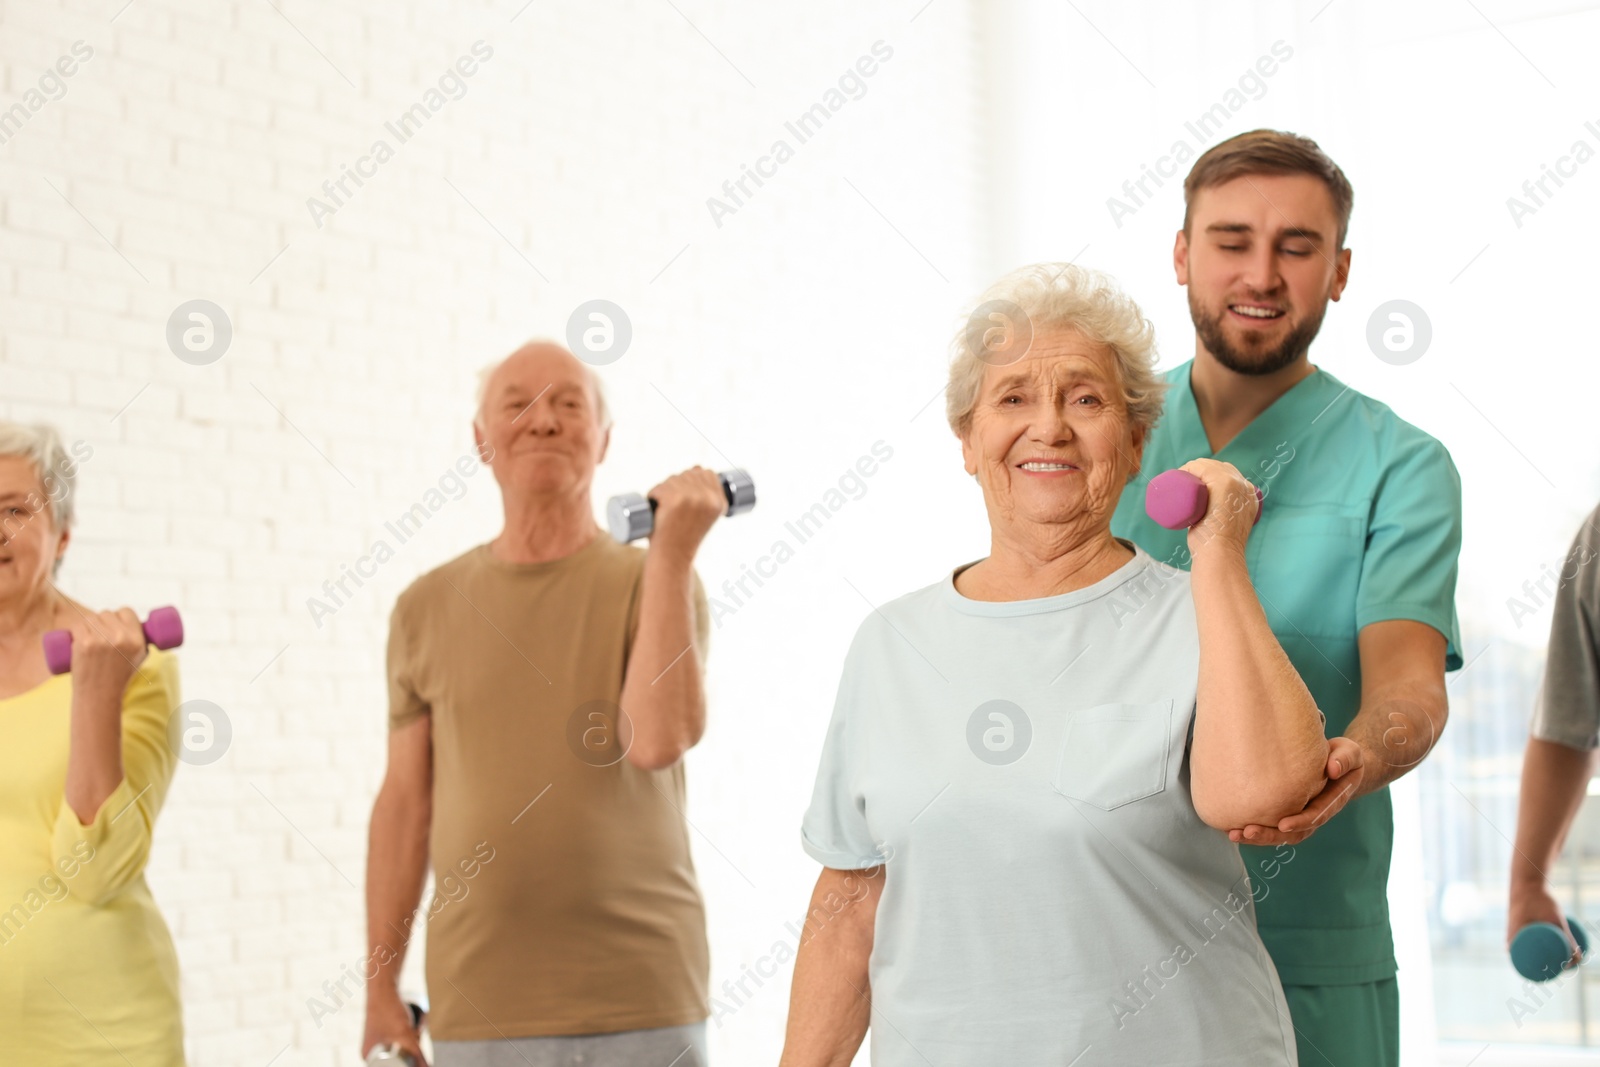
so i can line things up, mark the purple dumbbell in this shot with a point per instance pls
(1177, 499)
(163, 627)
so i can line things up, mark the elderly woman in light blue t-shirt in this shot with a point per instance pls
(1024, 793)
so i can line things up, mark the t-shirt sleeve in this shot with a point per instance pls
(1566, 709)
(1414, 544)
(834, 831)
(405, 704)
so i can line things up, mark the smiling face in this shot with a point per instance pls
(540, 424)
(1050, 438)
(1260, 263)
(29, 538)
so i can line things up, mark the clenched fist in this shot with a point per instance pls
(687, 505)
(107, 647)
(1232, 511)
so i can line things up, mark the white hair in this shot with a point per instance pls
(1065, 296)
(41, 445)
(602, 409)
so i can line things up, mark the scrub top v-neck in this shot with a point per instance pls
(1361, 522)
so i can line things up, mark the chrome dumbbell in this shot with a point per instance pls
(389, 1055)
(632, 515)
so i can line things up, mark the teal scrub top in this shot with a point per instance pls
(1361, 523)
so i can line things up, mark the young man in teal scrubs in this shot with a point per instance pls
(1354, 560)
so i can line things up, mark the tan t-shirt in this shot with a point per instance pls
(565, 897)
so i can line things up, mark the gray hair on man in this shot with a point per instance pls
(1060, 296)
(602, 409)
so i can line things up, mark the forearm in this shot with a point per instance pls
(1555, 779)
(1396, 729)
(1259, 748)
(94, 761)
(662, 692)
(397, 867)
(830, 1002)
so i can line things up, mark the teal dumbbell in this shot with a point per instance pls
(1540, 951)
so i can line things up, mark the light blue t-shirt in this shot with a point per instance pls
(1050, 895)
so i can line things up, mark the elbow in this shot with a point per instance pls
(96, 894)
(659, 748)
(1301, 779)
(657, 757)
(93, 866)
(1262, 799)
(98, 887)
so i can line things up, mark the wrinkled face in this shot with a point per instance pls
(29, 539)
(1260, 264)
(1050, 438)
(540, 425)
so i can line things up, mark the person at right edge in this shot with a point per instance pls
(1354, 560)
(1565, 734)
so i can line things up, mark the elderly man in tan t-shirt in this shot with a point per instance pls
(540, 701)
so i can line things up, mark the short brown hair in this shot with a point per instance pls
(1269, 152)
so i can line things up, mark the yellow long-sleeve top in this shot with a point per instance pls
(87, 969)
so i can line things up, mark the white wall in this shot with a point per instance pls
(577, 165)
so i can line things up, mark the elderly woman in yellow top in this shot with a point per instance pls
(1024, 795)
(88, 974)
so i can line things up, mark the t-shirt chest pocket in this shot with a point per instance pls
(1309, 570)
(1115, 754)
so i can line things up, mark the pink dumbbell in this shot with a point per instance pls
(1177, 499)
(163, 627)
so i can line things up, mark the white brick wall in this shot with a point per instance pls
(787, 340)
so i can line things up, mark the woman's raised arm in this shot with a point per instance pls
(1259, 750)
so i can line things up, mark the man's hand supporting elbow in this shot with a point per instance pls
(1403, 711)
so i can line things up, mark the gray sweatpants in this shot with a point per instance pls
(669, 1046)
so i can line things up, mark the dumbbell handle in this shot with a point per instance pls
(1177, 499)
(163, 627)
(632, 516)
(1540, 951)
